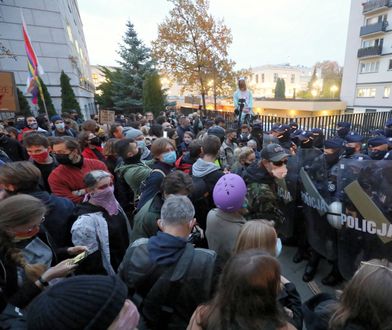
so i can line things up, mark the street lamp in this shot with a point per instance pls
(334, 89)
(314, 93)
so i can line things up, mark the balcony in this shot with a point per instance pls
(373, 28)
(374, 5)
(370, 51)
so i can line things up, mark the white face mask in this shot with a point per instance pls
(279, 172)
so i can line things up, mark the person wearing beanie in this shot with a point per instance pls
(84, 302)
(225, 221)
(138, 136)
(59, 127)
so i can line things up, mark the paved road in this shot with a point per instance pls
(294, 272)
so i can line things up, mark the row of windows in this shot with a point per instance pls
(371, 67)
(371, 92)
(276, 76)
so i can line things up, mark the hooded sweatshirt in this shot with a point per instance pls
(202, 168)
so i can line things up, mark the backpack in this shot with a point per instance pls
(124, 194)
(157, 307)
(201, 196)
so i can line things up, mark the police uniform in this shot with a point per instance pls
(355, 138)
(343, 129)
(376, 142)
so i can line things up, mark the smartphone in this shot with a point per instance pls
(79, 258)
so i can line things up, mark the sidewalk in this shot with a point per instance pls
(294, 272)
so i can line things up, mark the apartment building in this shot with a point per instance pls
(367, 74)
(56, 33)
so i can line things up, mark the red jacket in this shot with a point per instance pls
(88, 153)
(66, 179)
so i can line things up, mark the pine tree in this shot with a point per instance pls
(24, 105)
(105, 91)
(48, 101)
(68, 99)
(153, 95)
(136, 64)
(280, 89)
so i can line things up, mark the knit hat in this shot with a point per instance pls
(81, 302)
(133, 133)
(54, 118)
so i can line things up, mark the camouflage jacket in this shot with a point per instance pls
(263, 202)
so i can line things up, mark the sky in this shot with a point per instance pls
(299, 32)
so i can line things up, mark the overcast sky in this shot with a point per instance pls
(301, 32)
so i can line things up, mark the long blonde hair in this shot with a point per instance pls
(16, 211)
(257, 234)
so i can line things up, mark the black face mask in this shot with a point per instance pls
(349, 151)
(134, 159)
(63, 159)
(332, 159)
(95, 141)
(377, 154)
(342, 132)
(306, 144)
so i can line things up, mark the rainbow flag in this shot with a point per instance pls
(34, 68)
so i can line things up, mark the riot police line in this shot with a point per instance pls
(346, 209)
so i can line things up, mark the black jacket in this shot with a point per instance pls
(140, 273)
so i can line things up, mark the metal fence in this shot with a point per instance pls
(361, 123)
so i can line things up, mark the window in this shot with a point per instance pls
(276, 77)
(262, 75)
(387, 92)
(293, 78)
(257, 79)
(349, 110)
(367, 67)
(366, 92)
(69, 33)
(390, 65)
(370, 110)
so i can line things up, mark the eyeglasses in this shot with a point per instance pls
(280, 163)
(105, 186)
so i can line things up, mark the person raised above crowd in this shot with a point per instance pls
(66, 180)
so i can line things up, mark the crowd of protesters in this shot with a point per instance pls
(164, 223)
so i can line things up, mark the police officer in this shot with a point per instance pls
(318, 138)
(333, 149)
(284, 137)
(354, 147)
(343, 128)
(377, 148)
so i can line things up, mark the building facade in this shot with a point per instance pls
(264, 79)
(56, 32)
(367, 75)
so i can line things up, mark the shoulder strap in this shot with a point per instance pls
(157, 170)
(159, 303)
